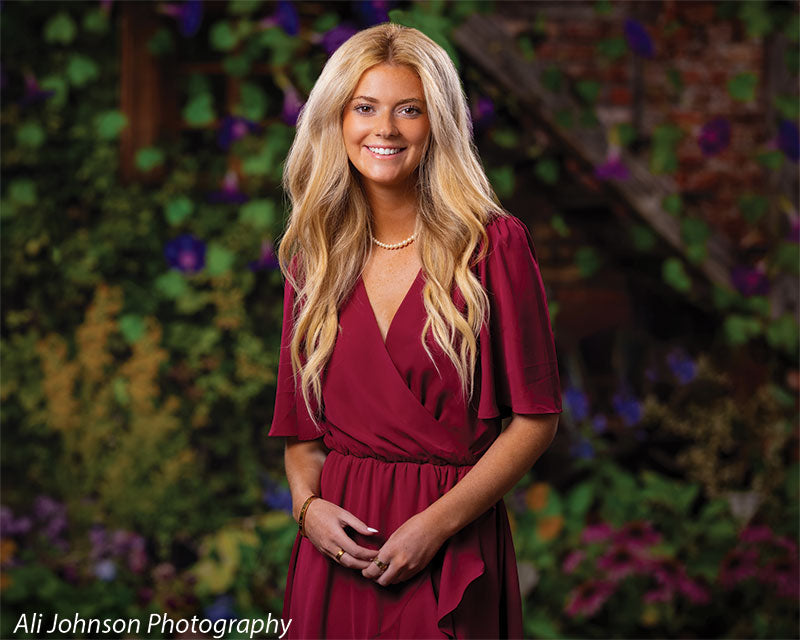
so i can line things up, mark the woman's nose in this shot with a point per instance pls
(386, 125)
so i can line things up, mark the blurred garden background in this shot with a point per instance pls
(650, 147)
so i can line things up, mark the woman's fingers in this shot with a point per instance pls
(325, 529)
(350, 520)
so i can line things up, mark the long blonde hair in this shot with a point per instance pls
(328, 235)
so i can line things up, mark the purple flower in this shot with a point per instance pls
(33, 92)
(285, 17)
(221, 608)
(577, 403)
(189, 15)
(794, 230)
(638, 39)
(277, 496)
(681, 365)
(372, 11)
(789, 139)
(333, 38)
(11, 526)
(612, 169)
(233, 128)
(105, 570)
(267, 260)
(229, 193)
(292, 102)
(483, 113)
(749, 281)
(583, 449)
(52, 514)
(599, 423)
(715, 136)
(186, 253)
(628, 408)
(597, 533)
(105, 6)
(589, 597)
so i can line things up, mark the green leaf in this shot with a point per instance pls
(283, 47)
(772, 160)
(791, 58)
(580, 499)
(253, 102)
(756, 19)
(119, 387)
(108, 124)
(782, 334)
(148, 158)
(673, 273)
(546, 170)
(96, 21)
(792, 28)
(642, 237)
(161, 43)
(588, 261)
(30, 135)
(742, 86)
(560, 225)
(81, 70)
(57, 84)
(178, 209)
(588, 90)
(787, 257)
(663, 158)
(305, 73)
(675, 79)
(552, 78)
(788, 106)
(325, 22)
(752, 206)
(739, 329)
(60, 29)
(222, 36)
(526, 48)
(218, 259)
(237, 66)
(199, 112)
(259, 214)
(725, 298)
(695, 230)
(625, 133)
(612, 48)
(673, 204)
(132, 326)
(564, 119)
(243, 7)
(22, 192)
(171, 284)
(502, 179)
(506, 138)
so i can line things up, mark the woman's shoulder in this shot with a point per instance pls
(508, 231)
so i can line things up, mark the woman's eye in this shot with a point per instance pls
(367, 106)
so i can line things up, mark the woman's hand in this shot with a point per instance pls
(407, 551)
(324, 527)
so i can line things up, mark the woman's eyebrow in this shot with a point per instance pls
(369, 99)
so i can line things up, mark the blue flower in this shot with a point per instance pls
(638, 39)
(749, 281)
(267, 260)
(333, 38)
(105, 570)
(577, 403)
(232, 128)
(189, 15)
(628, 408)
(583, 449)
(221, 609)
(277, 496)
(186, 253)
(789, 139)
(681, 365)
(373, 11)
(599, 423)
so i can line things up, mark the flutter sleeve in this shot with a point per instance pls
(519, 368)
(290, 417)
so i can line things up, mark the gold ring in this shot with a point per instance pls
(383, 566)
(339, 554)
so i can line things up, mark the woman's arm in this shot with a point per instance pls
(512, 454)
(325, 522)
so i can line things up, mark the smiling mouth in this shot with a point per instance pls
(391, 153)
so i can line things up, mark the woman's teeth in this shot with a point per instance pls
(384, 152)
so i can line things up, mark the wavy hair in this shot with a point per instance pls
(326, 243)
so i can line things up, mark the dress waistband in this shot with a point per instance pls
(435, 462)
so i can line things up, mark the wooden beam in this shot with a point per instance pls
(485, 40)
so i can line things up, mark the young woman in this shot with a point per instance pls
(414, 321)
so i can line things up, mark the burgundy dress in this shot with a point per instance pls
(400, 437)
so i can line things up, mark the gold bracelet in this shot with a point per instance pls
(301, 520)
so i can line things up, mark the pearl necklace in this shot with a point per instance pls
(398, 245)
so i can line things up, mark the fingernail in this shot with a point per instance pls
(371, 529)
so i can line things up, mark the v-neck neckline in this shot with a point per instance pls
(405, 299)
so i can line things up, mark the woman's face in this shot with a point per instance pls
(388, 110)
